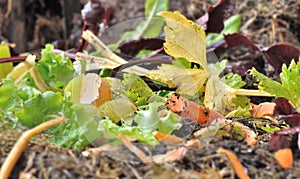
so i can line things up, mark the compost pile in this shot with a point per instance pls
(151, 88)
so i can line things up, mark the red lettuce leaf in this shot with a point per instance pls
(213, 20)
(278, 141)
(281, 139)
(279, 54)
(237, 39)
(276, 55)
(133, 47)
(286, 111)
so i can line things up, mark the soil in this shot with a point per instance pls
(29, 28)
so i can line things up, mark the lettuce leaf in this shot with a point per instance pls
(288, 88)
(39, 107)
(29, 107)
(9, 98)
(56, 70)
(111, 131)
(80, 128)
(149, 120)
(234, 80)
(116, 109)
(136, 89)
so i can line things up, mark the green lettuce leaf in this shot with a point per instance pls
(234, 80)
(288, 88)
(80, 128)
(36, 110)
(9, 98)
(149, 120)
(56, 70)
(136, 89)
(111, 131)
(30, 107)
(168, 123)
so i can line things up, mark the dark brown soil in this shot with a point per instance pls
(265, 22)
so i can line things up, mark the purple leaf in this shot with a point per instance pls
(279, 54)
(134, 46)
(278, 141)
(236, 39)
(213, 20)
(276, 55)
(286, 111)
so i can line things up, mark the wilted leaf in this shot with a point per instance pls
(278, 141)
(9, 97)
(22, 69)
(149, 120)
(110, 130)
(238, 39)
(234, 80)
(189, 81)
(117, 109)
(177, 44)
(39, 106)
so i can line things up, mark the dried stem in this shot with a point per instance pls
(248, 92)
(20, 145)
(102, 62)
(107, 53)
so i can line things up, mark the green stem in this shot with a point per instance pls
(247, 92)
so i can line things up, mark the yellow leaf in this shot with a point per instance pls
(5, 68)
(184, 38)
(215, 93)
(189, 81)
(22, 68)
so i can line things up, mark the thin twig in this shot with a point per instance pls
(20, 145)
